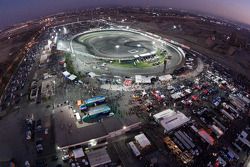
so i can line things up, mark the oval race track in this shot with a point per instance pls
(119, 44)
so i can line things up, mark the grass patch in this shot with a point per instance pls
(159, 53)
(69, 63)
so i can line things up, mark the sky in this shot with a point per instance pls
(15, 11)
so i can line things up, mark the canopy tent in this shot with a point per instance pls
(175, 121)
(142, 140)
(92, 74)
(169, 119)
(165, 113)
(143, 79)
(72, 77)
(165, 78)
(66, 73)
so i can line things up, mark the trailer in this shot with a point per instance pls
(96, 111)
(217, 131)
(177, 135)
(220, 124)
(94, 100)
(229, 116)
(83, 107)
(135, 150)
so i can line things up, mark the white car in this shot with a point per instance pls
(28, 135)
(27, 164)
(46, 131)
(65, 157)
(39, 147)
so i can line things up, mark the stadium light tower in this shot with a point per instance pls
(116, 49)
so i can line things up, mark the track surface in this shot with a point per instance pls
(91, 48)
(103, 44)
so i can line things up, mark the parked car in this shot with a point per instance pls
(28, 135)
(46, 131)
(65, 157)
(39, 146)
(39, 125)
(27, 164)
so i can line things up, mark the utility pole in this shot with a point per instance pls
(165, 65)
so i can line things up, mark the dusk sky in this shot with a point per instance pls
(15, 11)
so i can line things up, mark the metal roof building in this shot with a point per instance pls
(170, 119)
(142, 140)
(98, 157)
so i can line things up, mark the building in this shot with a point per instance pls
(165, 113)
(170, 120)
(142, 141)
(98, 157)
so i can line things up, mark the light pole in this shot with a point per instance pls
(116, 49)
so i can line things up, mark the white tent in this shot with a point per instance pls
(169, 119)
(92, 74)
(72, 77)
(174, 121)
(66, 73)
(143, 79)
(142, 140)
(136, 56)
(165, 113)
(165, 78)
(78, 153)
